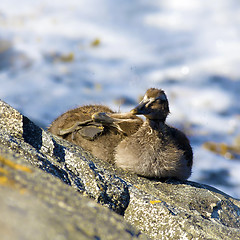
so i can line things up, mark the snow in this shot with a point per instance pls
(190, 48)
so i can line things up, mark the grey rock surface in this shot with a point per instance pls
(37, 205)
(163, 210)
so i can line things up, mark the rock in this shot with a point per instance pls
(37, 205)
(72, 165)
(163, 210)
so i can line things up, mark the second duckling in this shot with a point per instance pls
(96, 128)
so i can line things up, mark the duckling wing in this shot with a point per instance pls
(87, 129)
(101, 121)
(73, 128)
(91, 132)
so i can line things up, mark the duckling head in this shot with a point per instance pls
(154, 105)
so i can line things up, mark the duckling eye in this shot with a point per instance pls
(149, 104)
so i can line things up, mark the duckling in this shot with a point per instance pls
(96, 128)
(156, 150)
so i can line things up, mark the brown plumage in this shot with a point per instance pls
(87, 127)
(156, 149)
(151, 149)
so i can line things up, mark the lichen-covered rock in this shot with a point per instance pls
(72, 165)
(36, 205)
(163, 210)
(177, 210)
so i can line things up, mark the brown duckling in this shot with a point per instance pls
(96, 128)
(156, 149)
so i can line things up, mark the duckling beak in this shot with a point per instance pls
(140, 109)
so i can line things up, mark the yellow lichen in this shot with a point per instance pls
(22, 190)
(8, 182)
(14, 165)
(5, 175)
(3, 171)
(155, 201)
(5, 181)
